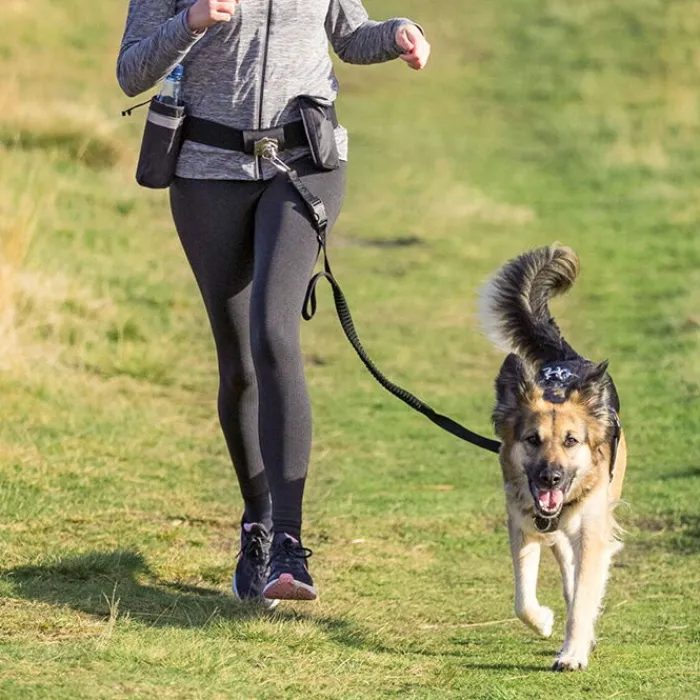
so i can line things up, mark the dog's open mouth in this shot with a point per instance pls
(548, 501)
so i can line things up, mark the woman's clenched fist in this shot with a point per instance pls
(415, 48)
(206, 13)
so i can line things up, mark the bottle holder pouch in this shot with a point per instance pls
(320, 134)
(160, 147)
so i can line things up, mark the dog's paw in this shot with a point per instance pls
(541, 620)
(570, 661)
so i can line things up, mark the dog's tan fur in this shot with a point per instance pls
(586, 538)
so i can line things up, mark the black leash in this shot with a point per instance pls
(320, 221)
(346, 322)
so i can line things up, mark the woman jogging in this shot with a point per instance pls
(246, 231)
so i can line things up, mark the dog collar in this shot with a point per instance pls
(544, 525)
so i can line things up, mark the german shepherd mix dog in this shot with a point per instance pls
(563, 455)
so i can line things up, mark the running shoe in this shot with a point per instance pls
(289, 577)
(253, 564)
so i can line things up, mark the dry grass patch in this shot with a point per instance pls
(65, 129)
(17, 226)
(37, 309)
(44, 314)
(690, 326)
(81, 135)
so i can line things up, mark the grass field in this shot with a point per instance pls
(537, 120)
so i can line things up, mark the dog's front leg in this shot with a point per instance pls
(593, 552)
(526, 560)
(564, 554)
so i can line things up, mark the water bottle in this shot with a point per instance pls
(171, 92)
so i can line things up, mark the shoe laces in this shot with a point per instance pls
(253, 547)
(288, 549)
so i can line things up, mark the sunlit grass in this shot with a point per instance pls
(536, 121)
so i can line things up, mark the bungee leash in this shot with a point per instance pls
(267, 149)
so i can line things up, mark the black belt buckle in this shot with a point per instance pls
(253, 137)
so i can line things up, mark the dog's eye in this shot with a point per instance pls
(570, 441)
(533, 440)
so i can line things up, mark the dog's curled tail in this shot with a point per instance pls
(514, 311)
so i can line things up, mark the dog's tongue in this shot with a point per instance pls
(550, 500)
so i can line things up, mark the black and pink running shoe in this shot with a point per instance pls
(289, 577)
(253, 565)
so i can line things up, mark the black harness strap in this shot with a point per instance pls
(615, 443)
(288, 136)
(317, 210)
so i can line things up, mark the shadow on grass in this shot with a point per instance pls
(348, 633)
(121, 583)
(678, 533)
(687, 539)
(689, 472)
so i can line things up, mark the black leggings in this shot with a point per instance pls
(252, 249)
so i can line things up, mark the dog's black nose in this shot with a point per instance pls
(550, 476)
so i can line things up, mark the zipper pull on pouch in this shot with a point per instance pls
(127, 112)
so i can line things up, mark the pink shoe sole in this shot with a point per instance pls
(287, 588)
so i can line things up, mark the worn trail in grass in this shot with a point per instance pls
(536, 121)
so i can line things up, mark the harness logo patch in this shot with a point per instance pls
(557, 374)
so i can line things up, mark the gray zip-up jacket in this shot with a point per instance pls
(246, 73)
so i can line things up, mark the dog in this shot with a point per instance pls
(563, 453)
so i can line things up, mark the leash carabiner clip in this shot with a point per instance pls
(268, 149)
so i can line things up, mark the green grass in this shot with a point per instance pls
(537, 120)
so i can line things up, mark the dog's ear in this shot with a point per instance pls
(595, 389)
(596, 373)
(514, 383)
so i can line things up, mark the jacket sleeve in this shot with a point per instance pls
(358, 39)
(155, 40)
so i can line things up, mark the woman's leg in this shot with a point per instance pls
(214, 219)
(285, 253)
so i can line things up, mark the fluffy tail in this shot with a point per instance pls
(513, 311)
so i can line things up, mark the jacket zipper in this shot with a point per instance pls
(258, 164)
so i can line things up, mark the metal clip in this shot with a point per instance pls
(268, 149)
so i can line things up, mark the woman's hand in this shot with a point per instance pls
(416, 49)
(206, 13)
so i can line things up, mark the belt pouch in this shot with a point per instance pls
(320, 134)
(160, 147)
